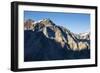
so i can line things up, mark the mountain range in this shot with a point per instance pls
(44, 40)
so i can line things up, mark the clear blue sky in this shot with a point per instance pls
(75, 22)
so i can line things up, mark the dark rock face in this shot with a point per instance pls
(46, 41)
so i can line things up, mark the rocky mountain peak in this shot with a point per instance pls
(60, 34)
(28, 24)
(47, 22)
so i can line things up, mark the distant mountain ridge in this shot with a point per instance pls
(45, 31)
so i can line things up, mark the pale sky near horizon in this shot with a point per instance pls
(75, 22)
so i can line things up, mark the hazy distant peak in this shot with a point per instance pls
(85, 33)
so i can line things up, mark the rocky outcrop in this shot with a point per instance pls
(28, 25)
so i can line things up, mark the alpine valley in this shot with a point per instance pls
(44, 40)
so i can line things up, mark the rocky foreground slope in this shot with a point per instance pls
(44, 40)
